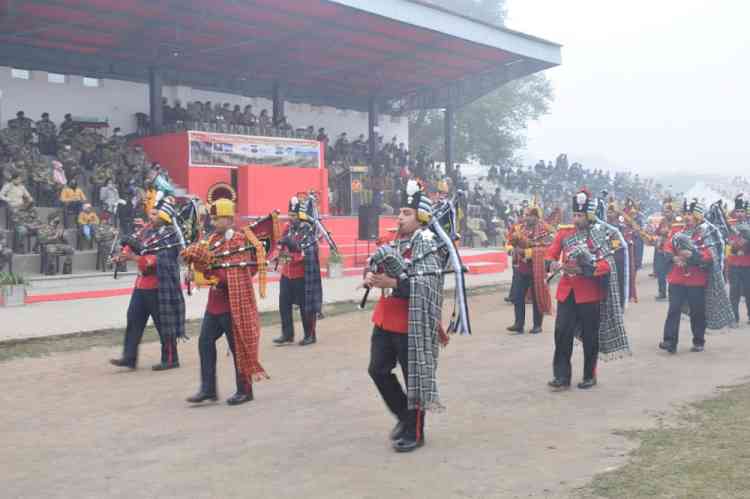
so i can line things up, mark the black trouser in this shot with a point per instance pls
(695, 297)
(739, 286)
(386, 349)
(212, 328)
(144, 303)
(513, 283)
(662, 266)
(571, 315)
(524, 283)
(292, 291)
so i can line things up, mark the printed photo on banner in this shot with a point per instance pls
(222, 150)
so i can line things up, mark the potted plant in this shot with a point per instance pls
(335, 265)
(12, 289)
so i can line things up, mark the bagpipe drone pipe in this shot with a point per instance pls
(386, 259)
(203, 257)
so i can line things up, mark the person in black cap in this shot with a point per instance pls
(300, 276)
(410, 315)
(695, 280)
(588, 301)
(739, 257)
(158, 291)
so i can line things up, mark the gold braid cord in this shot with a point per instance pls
(260, 257)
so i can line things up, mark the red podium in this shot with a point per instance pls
(265, 171)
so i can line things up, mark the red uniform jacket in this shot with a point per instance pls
(146, 271)
(218, 295)
(585, 289)
(392, 313)
(693, 276)
(734, 258)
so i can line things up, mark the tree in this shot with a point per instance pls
(492, 128)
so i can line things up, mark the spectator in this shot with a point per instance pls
(110, 199)
(72, 198)
(58, 175)
(15, 194)
(87, 222)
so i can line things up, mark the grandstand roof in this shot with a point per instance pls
(406, 53)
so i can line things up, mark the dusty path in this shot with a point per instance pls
(74, 427)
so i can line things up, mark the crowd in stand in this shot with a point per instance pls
(490, 206)
(97, 184)
(93, 185)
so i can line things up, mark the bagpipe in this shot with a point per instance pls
(386, 259)
(311, 212)
(262, 237)
(734, 235)
(144, 241)
(580, 253)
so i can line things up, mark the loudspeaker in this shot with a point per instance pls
(369, 221)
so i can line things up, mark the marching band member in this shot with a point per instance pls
(157, 293)
(407, 323)
(739, 257)
(629, 230)
(588, 301)
(662, 258)
(231, 308)
(695, 280)
(300, 276)
(529, 241)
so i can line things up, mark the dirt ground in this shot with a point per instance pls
(73, 426)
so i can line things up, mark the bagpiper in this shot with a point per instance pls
(300, 275)
(529, 241)
(406, 322)
(662, 258)
(696, 279)
(588, 301)
(738, 257)
(229, 260)
(158, 288)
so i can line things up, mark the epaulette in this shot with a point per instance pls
(565, 226)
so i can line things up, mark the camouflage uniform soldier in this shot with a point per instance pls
(13, 141)
(68, 130)
(47, 132)
(52, 237)
(105, 235)
(41, 175)
(23, 123)
(6, 253)
(71, 160)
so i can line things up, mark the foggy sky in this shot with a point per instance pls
(645, 85)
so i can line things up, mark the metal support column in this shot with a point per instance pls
(278, 102)
(154, 98)
(376, 170)
(449, 122)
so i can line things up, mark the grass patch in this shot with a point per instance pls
(706, 454)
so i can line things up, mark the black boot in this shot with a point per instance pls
(412, 438)
(283, 340)
(67, 268)
(515, 328)
(307, 340)
(669, 347)
(587, 383)
(536, 330)
(559, 384)
(165, 366)
(244, 394)
(397, 431)
(122, 363)
(202, 396)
